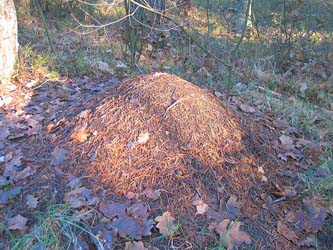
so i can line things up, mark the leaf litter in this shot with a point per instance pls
(135, 213)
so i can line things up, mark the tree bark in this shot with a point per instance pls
(8, 39)
(244, 14)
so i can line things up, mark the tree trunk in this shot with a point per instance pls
(244, 14)
(8, 39)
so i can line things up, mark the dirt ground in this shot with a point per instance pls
(151, 144)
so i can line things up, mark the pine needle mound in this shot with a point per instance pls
(157, 129)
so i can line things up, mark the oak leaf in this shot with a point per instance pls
(231, 235)
(17, 222)
(166, 224)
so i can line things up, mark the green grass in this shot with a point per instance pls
(319, 180)
(56, 228)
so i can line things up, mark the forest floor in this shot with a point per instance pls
(89, 161)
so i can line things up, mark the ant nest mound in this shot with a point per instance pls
(158, 130)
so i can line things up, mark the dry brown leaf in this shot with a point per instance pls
(58, 155)
(166, 224)
(143, 137)
(314, 216)
(113, 209)
(287, 142)
(4, 132)
(201, 206)
(247, 109)
(233, 206)
(154, 195)
(9, 194)
(127, 226)
(135, 245)
(139, 212)
(28, 171)
(17, 222)
(309, 241)
(231, 234)
(286, 232)
(80, 136)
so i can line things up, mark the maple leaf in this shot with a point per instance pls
(231, 235)
(31, 201)
(166, 224)
(17, 222)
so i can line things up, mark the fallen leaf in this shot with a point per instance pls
(231, 235)
(150, 194)
(127, 226)
(80, 136)
(286, 232)
(34, 130)
(113, 209)
(233, 206)
(25, 173)
(201, 206)
(104, 67)
(135, 245)
(80, 197)
(166, 224)
(130, 195)
(32, 202)
(58, 155)
(149, 224)
(143, 137)
(55, 126)
(313, 217)
(74, 182)
(289, 191)
(14, 161)
(303, 88)
(139, 212)
(287, 142)
(4, 132)
(216, 216)
(261, 170)
(246, 108)
(218, 94)
(3, 181)
(9, 194)
(17, 222)
(309, 241)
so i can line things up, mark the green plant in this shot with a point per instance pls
(319, 181)
(57, 228)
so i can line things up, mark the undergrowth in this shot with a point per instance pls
(56, 228)
(319, 180)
